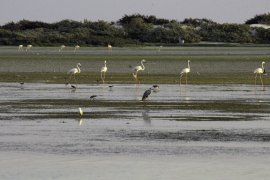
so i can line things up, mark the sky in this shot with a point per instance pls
(222, 11)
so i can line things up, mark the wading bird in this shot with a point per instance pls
(109, 48)
(103, 72)
(20, 47)
(28, 47)
(76, 48)
(155, 88)
(159, 48)
(62, 47)
(259, 71)
(72, 72)
(110, 87)
(137, 69)
(80, 112)
(185, 71)
(146, 94)
(73, 87)
(93, 97)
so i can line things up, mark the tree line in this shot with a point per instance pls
(132, 30)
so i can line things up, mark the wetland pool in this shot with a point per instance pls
(187, 132)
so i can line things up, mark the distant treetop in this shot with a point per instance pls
(147, 19)
(260, 19)
(197, 22)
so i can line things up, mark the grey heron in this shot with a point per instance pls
(146, 93)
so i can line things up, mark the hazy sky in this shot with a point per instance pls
(232, 11)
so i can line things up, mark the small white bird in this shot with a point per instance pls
(260, 71)
(80, 112)
(137, 69)
(185, 71)
(103, 72)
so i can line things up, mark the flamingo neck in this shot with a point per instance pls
(79, 70)
(142, 65)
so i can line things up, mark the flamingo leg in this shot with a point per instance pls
(261, 81)
(101, 76)
(180, 79)
(255, 79)
(104, 77)
(75, 80)
(135, 76)
(68, 79)
(186, 78)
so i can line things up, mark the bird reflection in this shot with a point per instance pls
(73, 90)
(80, 121)
(146, 117)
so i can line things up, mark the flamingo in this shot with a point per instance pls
(137, 69)
(103, 71)
(109, 47)
(76, 48)
(259, 71)
(73, 71)
(159, 48)
(185, 71)
(61, 48)
(20, 48)
(28, 47)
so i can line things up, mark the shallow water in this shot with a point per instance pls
(143, 143)
(123, 92)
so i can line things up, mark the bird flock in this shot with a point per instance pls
(71, 74)
(184, 72)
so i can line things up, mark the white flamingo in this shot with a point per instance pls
(28, 47)
(73, 72)
(62, 47)
(20, 47)
(137, 69)
(185, 71)
(259, 71)
(103, 71)
(76, 48)
(109, 47)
